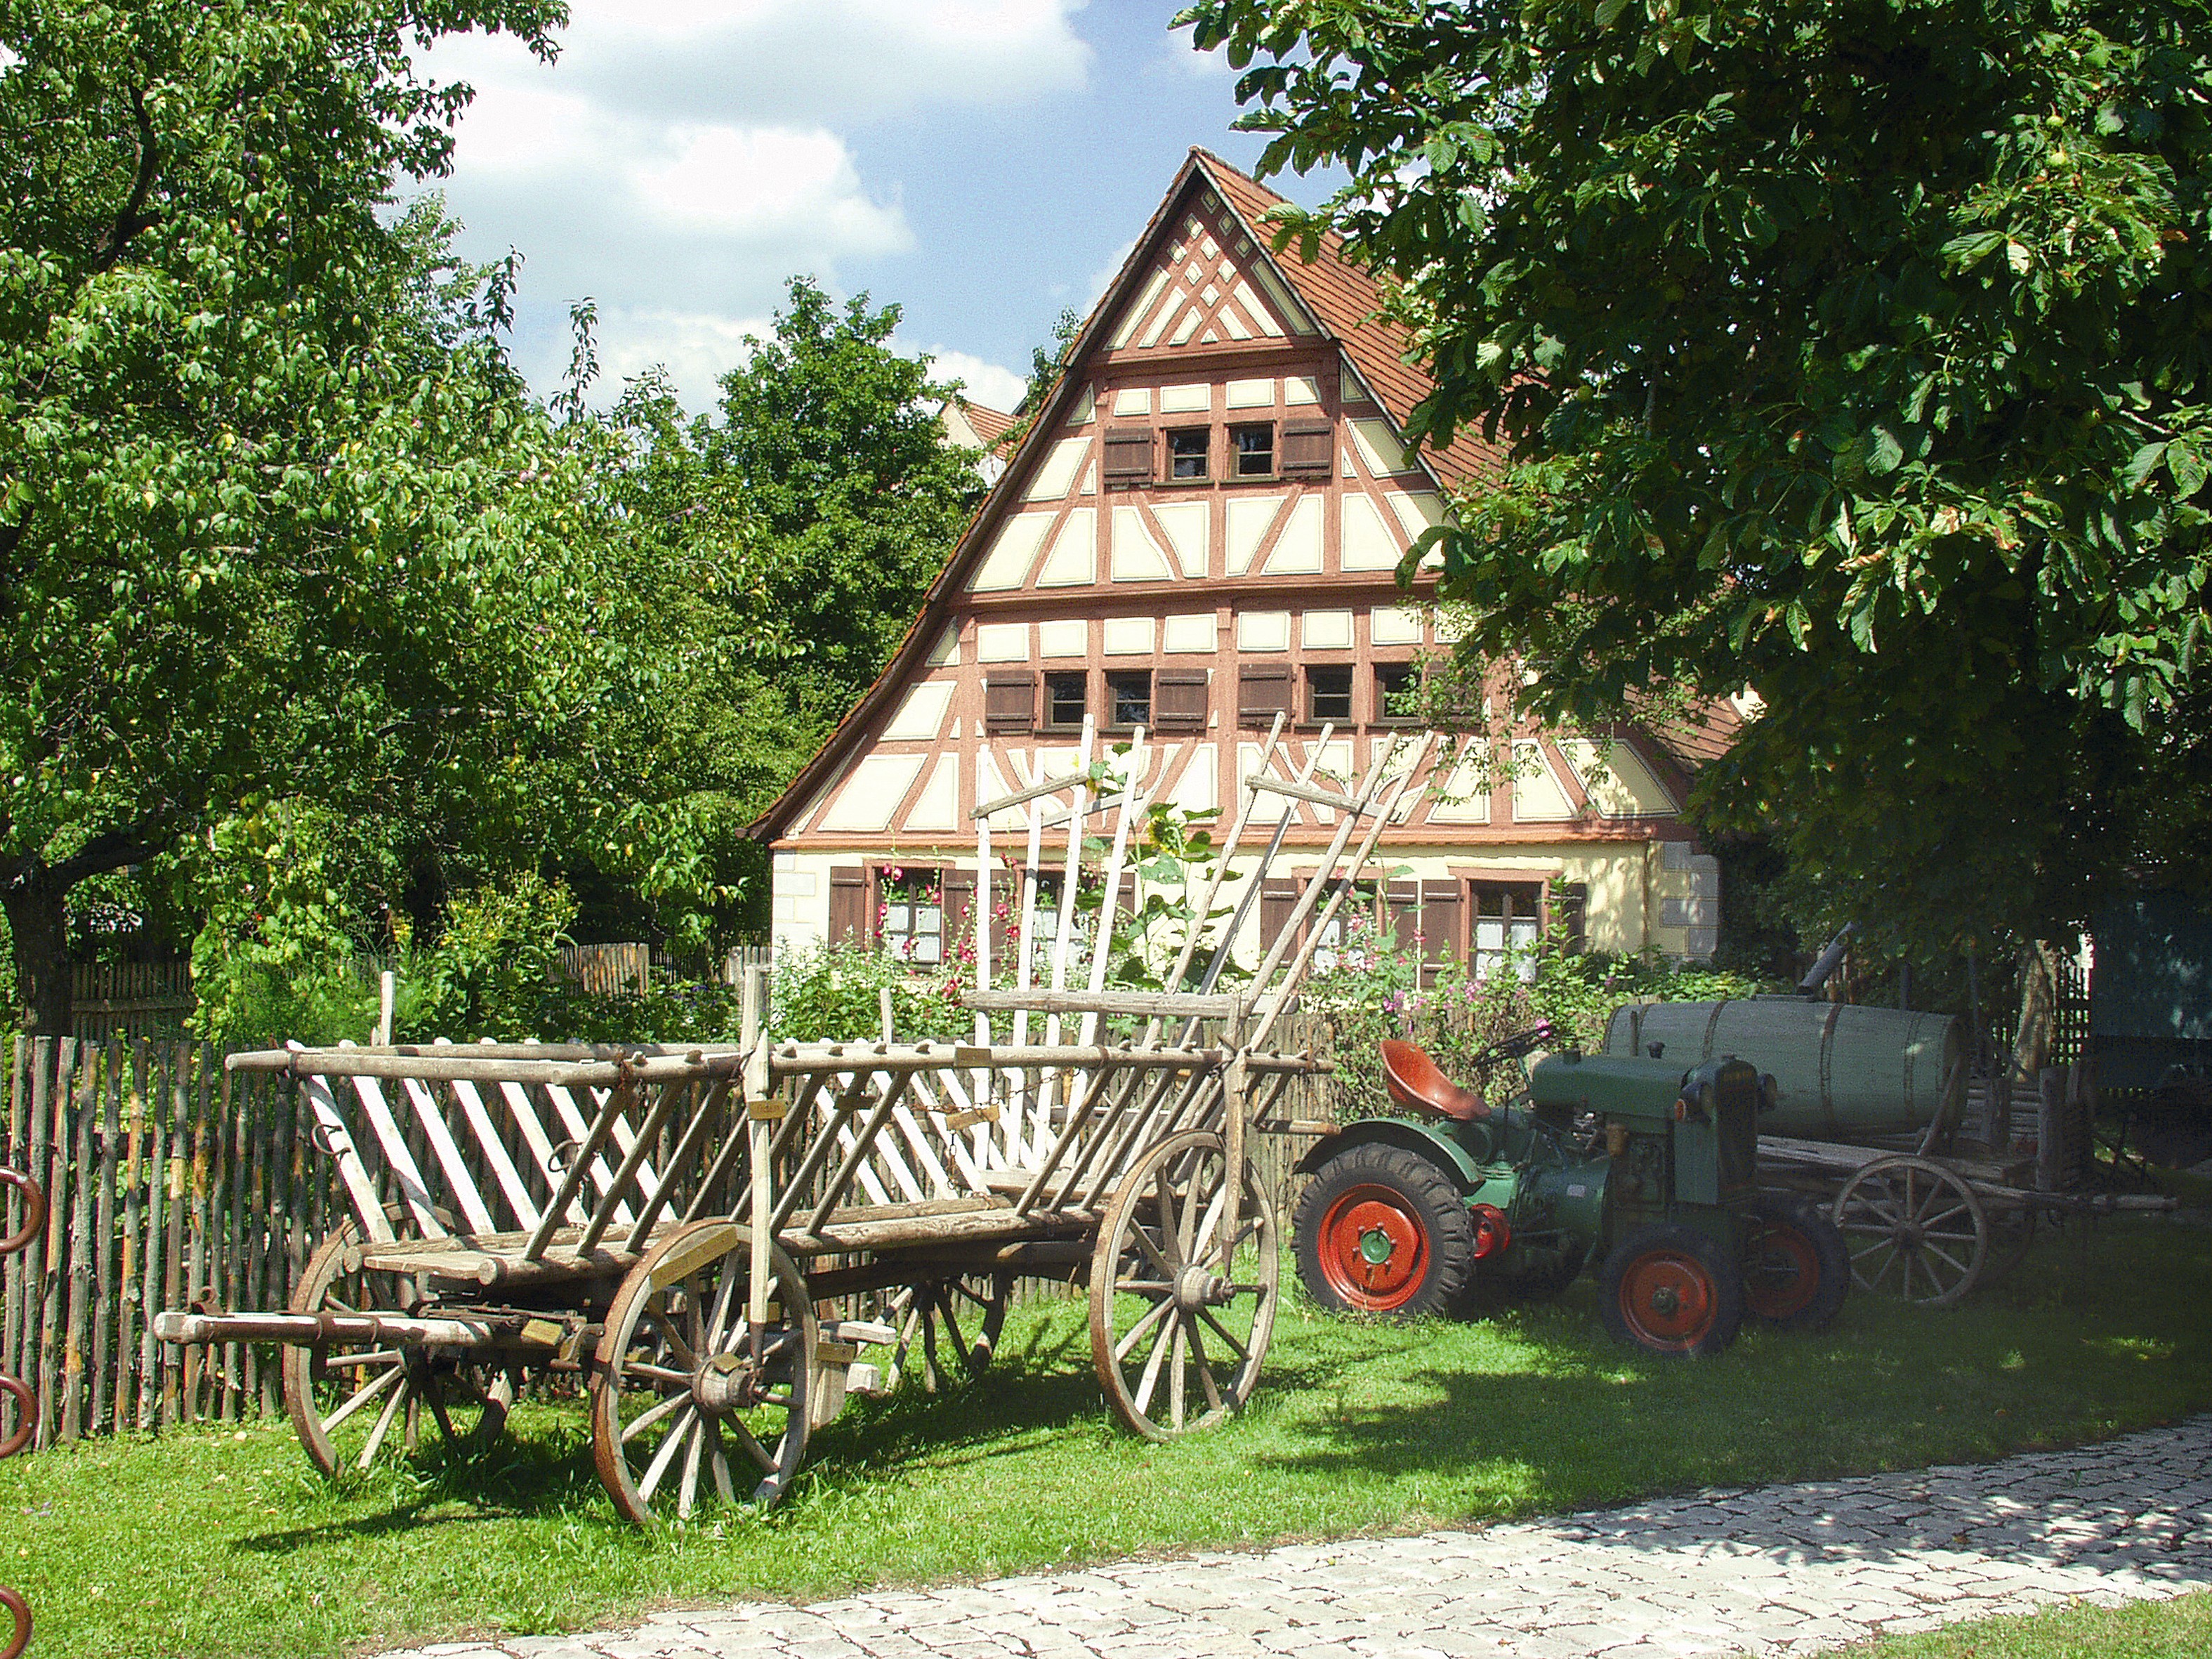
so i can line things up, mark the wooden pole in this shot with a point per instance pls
(103, 1240)
(80, 1274)
(50, 1159)
(134, 1216)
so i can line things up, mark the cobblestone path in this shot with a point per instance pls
(1771, 1570)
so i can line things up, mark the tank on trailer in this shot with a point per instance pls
(1842, 1072)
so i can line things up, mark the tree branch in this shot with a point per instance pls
(132, 217)
(112, 849)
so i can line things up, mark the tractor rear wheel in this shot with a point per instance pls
(1384, 1230)
(1795, 1265)
(1672, 1290)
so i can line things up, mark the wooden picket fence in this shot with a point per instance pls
(166, 1182)
(129, 999)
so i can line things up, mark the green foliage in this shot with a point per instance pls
(833, 994)
(1854, 352)
(492, 968)
(1370, 988)
(277, 523)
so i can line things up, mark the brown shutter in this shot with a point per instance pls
(1129, 455)
(1441, 905)
(849, 916)
(959, 909)
(1309, 448)
(1278, 898)
(1263, 691)
(1179, 700)
(1010, 702)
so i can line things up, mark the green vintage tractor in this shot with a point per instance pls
(1647, 1169)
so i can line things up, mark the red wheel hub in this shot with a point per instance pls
(1781, 1271)
(1668, 1300)
(1374, 1249)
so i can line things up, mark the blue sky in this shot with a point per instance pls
(983, 163)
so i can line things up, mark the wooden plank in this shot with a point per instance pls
(86, 1107)
(229, 1237)
(511, 1184)
(1076, 780)
(458, 1180)
(592, 1137)
(413, 1193)
(104, 1391)
(50, 1121)
(176, 1190)
(11, 1209)
(581, 1130)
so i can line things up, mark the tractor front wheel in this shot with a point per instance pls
(1384, 1230)
(1672, 1290)
(1795, 1265)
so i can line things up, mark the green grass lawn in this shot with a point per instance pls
(2179, 1629)
(226, 1543)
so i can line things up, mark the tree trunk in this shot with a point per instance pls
(38, 921)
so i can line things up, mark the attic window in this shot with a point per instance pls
(1329, 695)
(1067, 697)
(1254, 449)
(1129, 698)
(1186, 450)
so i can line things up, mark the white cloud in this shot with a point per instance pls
(1101, 278)
(685, 158)
(987, 383)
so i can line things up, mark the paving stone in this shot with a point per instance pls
(1777, 1569)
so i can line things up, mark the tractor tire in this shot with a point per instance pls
(1384, 1230)
(1796, 1267)
(1669, 1289)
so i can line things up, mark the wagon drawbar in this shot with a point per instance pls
(688, 1229)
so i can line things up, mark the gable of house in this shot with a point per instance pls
(1200, 531)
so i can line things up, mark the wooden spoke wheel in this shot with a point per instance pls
(1177, 1346)
(686, 1407)
(1671, 1289)
(1914, 1229)
(961, 1314)
(352, 1402)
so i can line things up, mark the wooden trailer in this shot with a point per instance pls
(691, 1229)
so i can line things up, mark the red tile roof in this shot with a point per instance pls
(990, 424)
(1343, 299)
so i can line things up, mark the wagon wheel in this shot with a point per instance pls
(351, 1401)
(966, 1311)
(683, 1405)
(1916, 1230)
(1177, 1347)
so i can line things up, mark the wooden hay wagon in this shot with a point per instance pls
(722, 1243)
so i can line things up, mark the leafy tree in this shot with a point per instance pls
(831, 440)
(1855, 351)
(277, 522)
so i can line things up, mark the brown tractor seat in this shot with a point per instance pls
(1415, 1081)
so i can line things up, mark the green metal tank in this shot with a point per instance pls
(1841, 1071)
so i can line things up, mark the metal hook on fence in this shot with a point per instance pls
(35, 1211)
(556, 1161)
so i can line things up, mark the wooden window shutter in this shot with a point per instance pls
(1129, 455)
(1179, 700)
(1308, 448)
(850, 914)
(959, 909)
(1263, 691)
(1010, 702)
(1278, 898)
(1442, 904)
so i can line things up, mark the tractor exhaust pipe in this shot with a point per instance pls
(1817, 975)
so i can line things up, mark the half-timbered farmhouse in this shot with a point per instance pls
(1201, 531)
